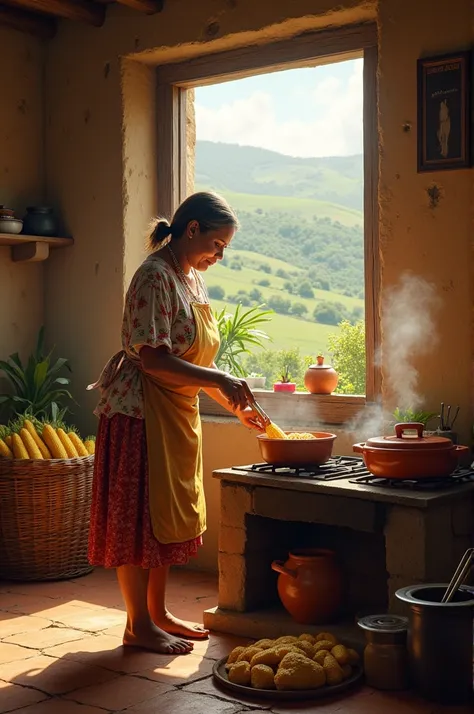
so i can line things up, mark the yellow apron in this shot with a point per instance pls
(174, 439)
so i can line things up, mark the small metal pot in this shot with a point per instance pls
(440, 643)
(289, 452)
(410, 457)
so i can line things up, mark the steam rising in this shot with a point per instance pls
(409, 332)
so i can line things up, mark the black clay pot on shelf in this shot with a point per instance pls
(40, 221)
(440, 642)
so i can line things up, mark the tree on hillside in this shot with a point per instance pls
(305, 290)
(279, 304)
(328, 313)
(299, 309)
(256, 294)
(216, 292)
(349, 357)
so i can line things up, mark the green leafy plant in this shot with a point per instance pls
(36, 388)
(238, 333)
(286, 376)
(348, 357)
(410, 415)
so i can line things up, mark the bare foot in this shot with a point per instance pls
(156, 640)
(174, 626)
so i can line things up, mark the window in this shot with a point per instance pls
(175, 144)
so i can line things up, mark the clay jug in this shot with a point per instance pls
(310, 585)
(320, 378)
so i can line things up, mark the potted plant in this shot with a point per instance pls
(410, 416)
(255, 381)
(285, 384)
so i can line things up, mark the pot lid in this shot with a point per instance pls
(384, 623)
(320, 364)
(405, 438)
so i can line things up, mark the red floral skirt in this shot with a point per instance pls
(120, 527)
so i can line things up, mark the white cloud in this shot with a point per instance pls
(335, 130)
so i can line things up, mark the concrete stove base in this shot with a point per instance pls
(275, 622)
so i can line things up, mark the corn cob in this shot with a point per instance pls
(5, 451)
(89, 443)
(77, 443)
(67, 443)
(8, 441)
(30, 445)
(53, 442)
(19, 450)
(30, 427)
(274, 432)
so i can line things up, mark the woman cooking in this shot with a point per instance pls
(148, 509)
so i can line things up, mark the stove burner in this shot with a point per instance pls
(459, 477)
(338, 467)
(353, 469)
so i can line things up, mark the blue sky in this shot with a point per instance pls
(299, 112)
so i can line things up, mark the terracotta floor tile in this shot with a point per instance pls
(48, 637)
(60, 706)
(207, 686)
(178, 670)
(16, 624)
(54, 676)
(107, 652)
(116, 631)
(179, 702)
(91, 620)
(124, 691)
(55, 590)
(217, 646)
(58, 611)
(25, 604)
(13, 653)
(192, 610)
(13, 696)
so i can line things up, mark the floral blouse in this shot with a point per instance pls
(157, 312)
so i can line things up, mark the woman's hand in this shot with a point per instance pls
(249, 418)
(236, 391)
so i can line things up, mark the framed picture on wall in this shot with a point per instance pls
(444, 112)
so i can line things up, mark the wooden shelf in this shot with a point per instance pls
(32, 249)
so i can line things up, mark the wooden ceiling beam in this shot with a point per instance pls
(36, 25)
(78, 10)
(147, 6)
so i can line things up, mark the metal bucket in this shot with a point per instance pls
(440, 642)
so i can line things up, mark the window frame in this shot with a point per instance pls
(305, 50)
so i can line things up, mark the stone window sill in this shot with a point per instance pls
(299, 409)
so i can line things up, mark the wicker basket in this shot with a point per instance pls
(44, 518)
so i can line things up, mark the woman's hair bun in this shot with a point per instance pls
(160, 231)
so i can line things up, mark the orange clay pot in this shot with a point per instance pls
(320, 378)
(310, 585)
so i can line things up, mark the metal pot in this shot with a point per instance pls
(440, 643)
(406, 456)
(289, 452)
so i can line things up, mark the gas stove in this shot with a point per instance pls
(459, 477)
(338, 467)
(353, 469)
